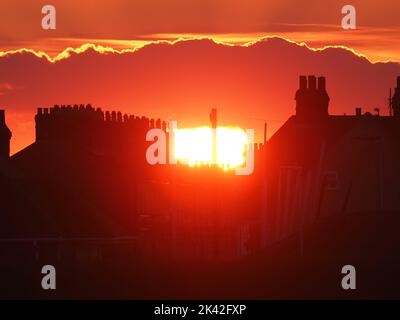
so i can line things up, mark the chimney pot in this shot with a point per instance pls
(312, 82)
(302, 82)
(321, 83)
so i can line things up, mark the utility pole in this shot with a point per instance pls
(213, 119)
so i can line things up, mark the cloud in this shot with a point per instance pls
(376, 43)
(126, 24)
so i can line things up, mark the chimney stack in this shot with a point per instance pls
(312, 102)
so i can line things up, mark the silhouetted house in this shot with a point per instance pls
(322, 165)
(5, 136)
(6, 172)
(87, 177)
(83, 193)
(13, 198)
(81, 178)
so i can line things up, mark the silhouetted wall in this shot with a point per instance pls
(5, 136)
(108, 133)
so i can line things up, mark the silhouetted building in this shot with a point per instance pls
(82, 195)
(5, 136)
(87, 169)
(395, 100)
(322, 165)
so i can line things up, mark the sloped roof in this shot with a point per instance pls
(299, 143)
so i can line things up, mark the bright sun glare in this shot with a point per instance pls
(195, 147)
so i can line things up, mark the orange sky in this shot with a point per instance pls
(129, 24)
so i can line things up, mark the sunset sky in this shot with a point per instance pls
(129, 24)
(190, 77)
